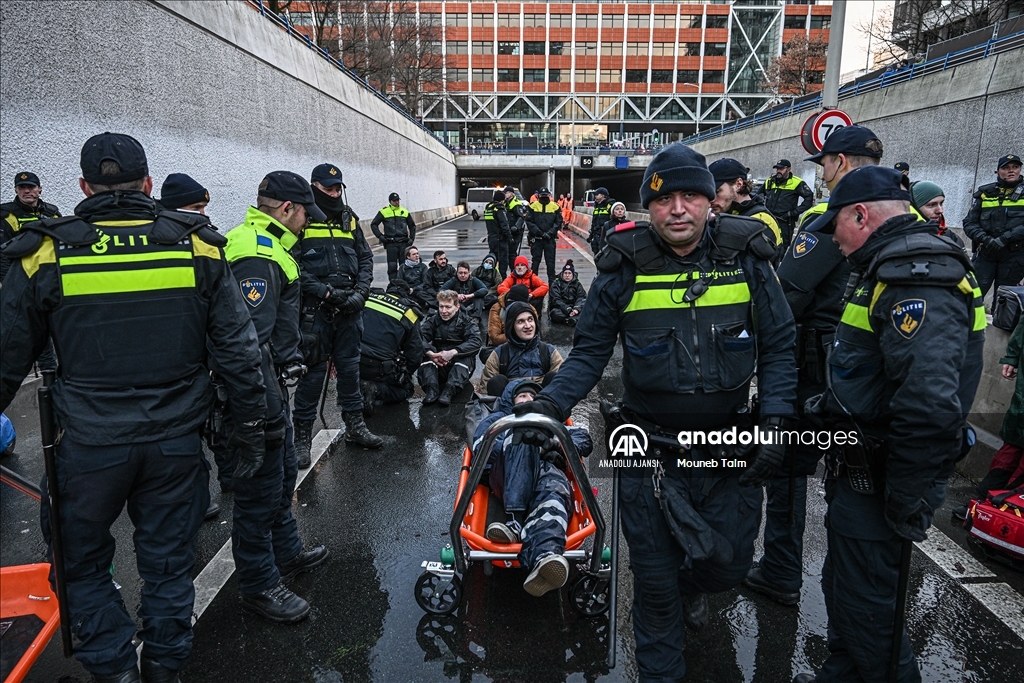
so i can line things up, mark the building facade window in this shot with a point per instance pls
(560, 21)
(611, 49)
(457, 47)
(714, 76)
(636, 75)
(586, 76)
(556, 48)
(820, 22)
(639, 21)
(633, 49)
(300, 18)
(585, 48)
(661, 75)
(687, 76)
(664, 21)
(554, 75)
(533, 21)
(715, 49)
(533, 75)
(457, 75)
(663, 49)
(508, 20)
(586, 20)
(611, 75)
(508, 75)
(533, 47)
(795, 21)
(689, 50)
(483, 20)
(612, 21)
(482, 75)
(690, 21)
(483, 48)
(717, 21)
(508, 48)
(456, 19)
(430, 19)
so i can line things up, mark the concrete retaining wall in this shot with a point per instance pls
(209, 88)
(951, 127)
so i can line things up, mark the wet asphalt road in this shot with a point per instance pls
(383, 512)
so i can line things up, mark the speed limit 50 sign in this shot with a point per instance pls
(816, 129)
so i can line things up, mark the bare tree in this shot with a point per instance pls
(793, 72)
(325, 25)
(278, 6)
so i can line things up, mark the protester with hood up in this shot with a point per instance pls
(522, 275)
(487, 273)
(534, 491)
(523, 354)
(567, 296)
(496, 317)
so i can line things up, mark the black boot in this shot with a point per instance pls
(369, 391)
(695, 611)
(303, 440)
(155, 673)
(303, 562)
(357, 433)
(129, 676)
(445, 399)
(804, 678)
(430, 395)
(277, 604)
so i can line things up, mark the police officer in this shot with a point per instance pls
(995, 224)
(182, 192)
(26, 207)
(787, 197)
(264, 532)
(399, 231)
(517, 213)
(911, 335)
(131, 412)
(648, 293)
(392, 346)
(543, 224)
(499, 234)
(903, 167)
(602, 212)
(337, 269)
(733, 196)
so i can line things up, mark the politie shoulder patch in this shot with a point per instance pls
(908, 316)
(803, 244)
(254, 290)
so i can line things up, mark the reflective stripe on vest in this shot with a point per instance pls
(261, 236)
(792, 183)
(550, 207)
(653, 292)
(316, 230)
(377, 304)
(393, 212)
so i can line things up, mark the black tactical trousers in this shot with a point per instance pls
(544, 247)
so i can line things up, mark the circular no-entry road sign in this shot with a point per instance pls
(827, 123)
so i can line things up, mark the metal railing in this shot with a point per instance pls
(580, 151)
(889, 78)
(283, 24)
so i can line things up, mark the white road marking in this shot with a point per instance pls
(1002, 601)
(380, 247)
(217, 572)
(951, 558)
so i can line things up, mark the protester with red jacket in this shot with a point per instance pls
(522, 275)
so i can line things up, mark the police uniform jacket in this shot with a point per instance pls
(691, 340)
(13, 215)
(787, 198)
(814, 274)
(391, 333)
(907, 356)
(334, 255)
(755, 208)
(517, 210)
(496, 217)
(130, 299)
(461, 333)
(997, 211)
(602, 211)
(398, 225)
(268, 279)
(545, 220)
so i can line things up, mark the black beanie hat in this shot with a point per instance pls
(517, 293)
(569, 266)
(676, 167)
(498, 196)
(181, 190)
(400, 286)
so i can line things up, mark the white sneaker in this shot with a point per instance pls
(550, 574)
(504, 533)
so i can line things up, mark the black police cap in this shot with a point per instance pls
(327, 175)
(864, 184)
(122, 149)
(902, 167)
(726, 171)
(544, 191)
(782, 163)
(852, 141)
(601, 190)
(291, 187)
(27, 178)
(1008, 159)
(181, 190)
(509, 188)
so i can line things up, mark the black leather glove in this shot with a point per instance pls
(544, 406)
(247, 443)
(993, 246)
(908, 521)
(769, 456)
(552, 453)
(338, 297)
(354, 303)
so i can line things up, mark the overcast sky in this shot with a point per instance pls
(855, 44)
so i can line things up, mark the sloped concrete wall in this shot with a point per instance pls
(210, 88)
(951, 127)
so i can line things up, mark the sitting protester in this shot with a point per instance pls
(522, 275)
(565, 302)
(534, 492)
(496, 317)
(471, 290)
(523, 355)
(392, 346)
(414, 271)
(438, 272)
(488, 274)
(451, 339)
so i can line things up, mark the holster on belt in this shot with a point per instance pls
(215, 421)
(810, 354)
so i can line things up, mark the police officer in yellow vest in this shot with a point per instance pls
(399, 231)
(787, 197)
(903, 371)
(734, 196)
(131, 298)
(337, 270)
(995, 224)
(543, 224)
(681, 293)
(265, 539)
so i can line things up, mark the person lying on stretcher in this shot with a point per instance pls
(531, 483)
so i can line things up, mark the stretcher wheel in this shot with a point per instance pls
(435, 601)
(590, 596)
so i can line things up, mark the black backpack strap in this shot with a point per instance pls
(545, 357)
(503, 359)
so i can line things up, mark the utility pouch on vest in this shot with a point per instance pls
(215, 421)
